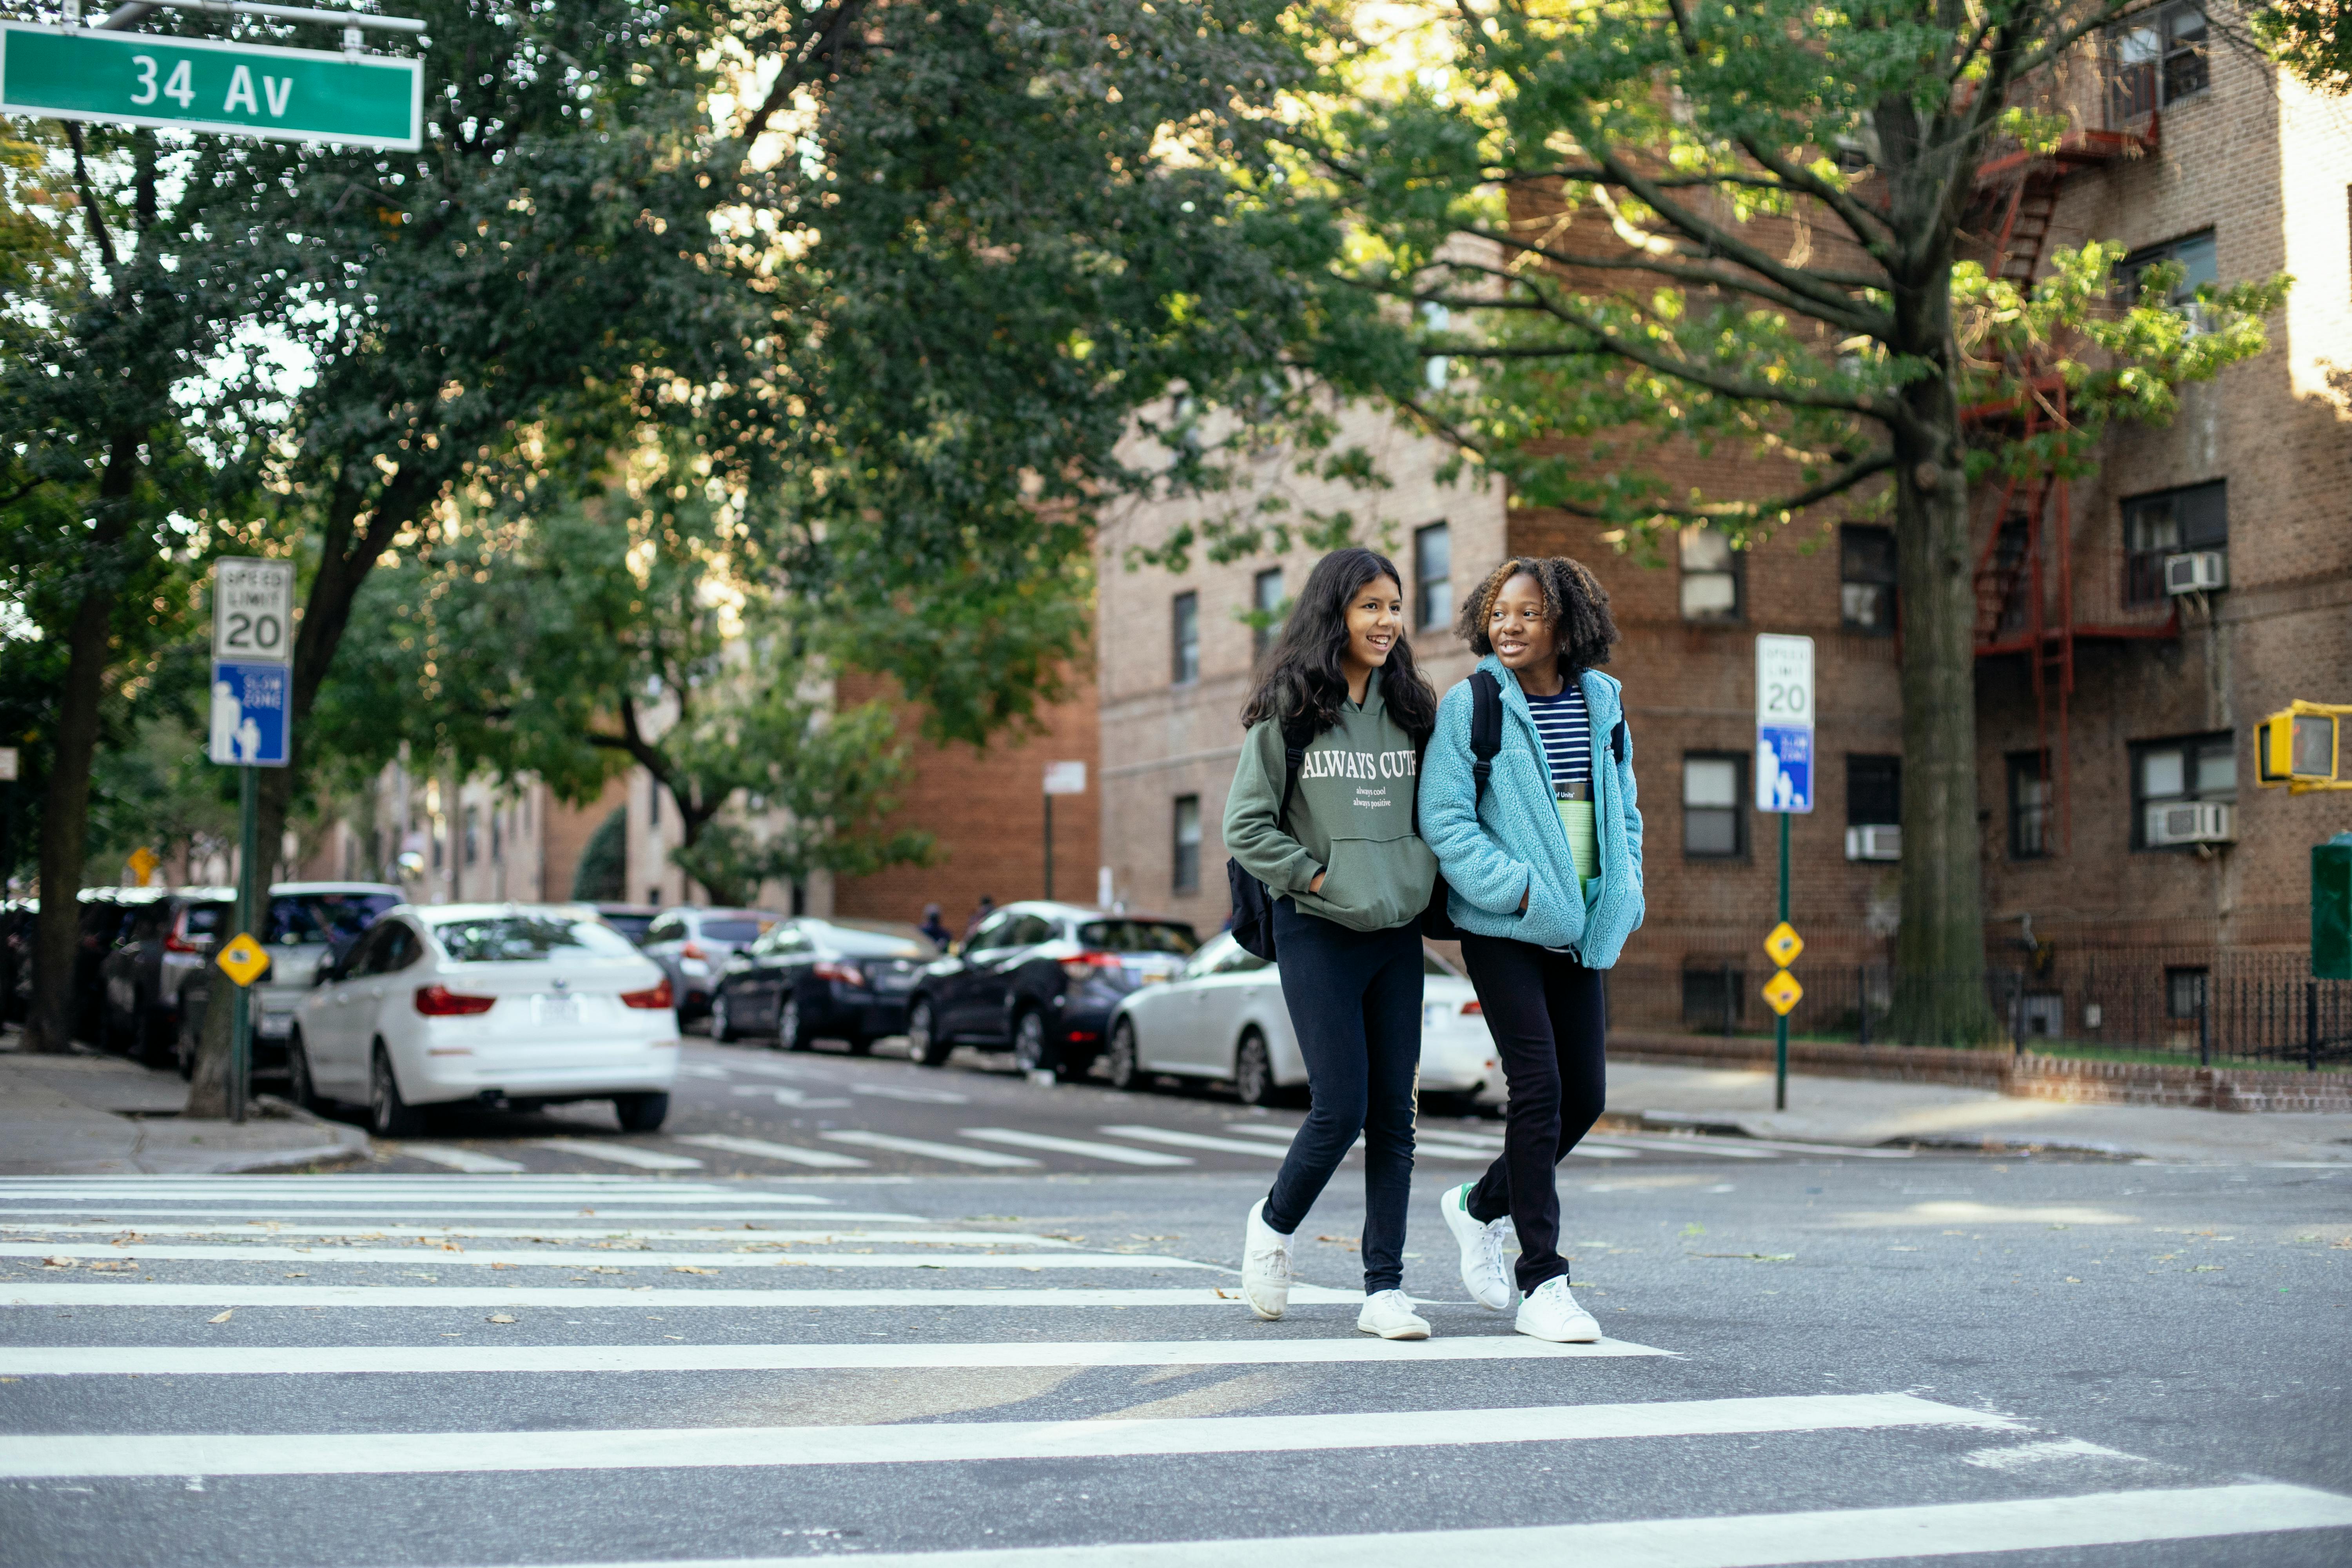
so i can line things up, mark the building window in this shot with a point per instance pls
(473, 834)
(498, 835)
(1866, 579)
(2170, 523)
(1874, 791)
(1713, 994)
(2184, 993)
(1713, 824)
(2168, 773)
(1710, 576)
(2196, 257)
(653, 802)
(1265, 606)
(2028, 806)
(2159, 59)
(1185, 621)
(1433, 577)
(1186, 861)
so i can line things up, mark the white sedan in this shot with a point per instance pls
(513, 1006)
(1222, 1017)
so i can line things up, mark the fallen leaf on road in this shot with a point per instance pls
(500, 1317)
(2207, 1268)
(1227, 1296)
(60, 1262)
(299, 1274)
(1752, 1257)
(223, 1318)
(690, 1269)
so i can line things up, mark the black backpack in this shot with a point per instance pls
(1252, 924)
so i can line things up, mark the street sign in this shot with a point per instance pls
(201, 84)
(1784, 723)
(241, 960)
(248, 727)
(141, 863)
(1066, 778)
(1783, 992)
(1782, 944)
(253, 611)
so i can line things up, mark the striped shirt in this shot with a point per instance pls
(1566, 725)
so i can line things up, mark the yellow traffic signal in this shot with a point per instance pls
(2300, 747)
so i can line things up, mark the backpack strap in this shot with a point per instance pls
(1486, 727)
(1294, 761)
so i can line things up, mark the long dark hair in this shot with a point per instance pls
(1300, 683)
(1573, 598)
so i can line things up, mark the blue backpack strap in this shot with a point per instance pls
(1486, 727)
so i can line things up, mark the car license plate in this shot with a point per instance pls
(276, 1025)
(552, 1012)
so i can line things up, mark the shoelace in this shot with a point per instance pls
(1279, 1265)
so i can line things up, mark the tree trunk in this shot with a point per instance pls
(1939, 998)
(65, 817)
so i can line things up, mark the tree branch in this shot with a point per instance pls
(1701, 275)
(97, 230)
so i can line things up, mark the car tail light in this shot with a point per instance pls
(1473, 1010)
(847, 974)
(656, 996)
(176, 939)
(440, 1002)
(694, 950)
(1087, 966)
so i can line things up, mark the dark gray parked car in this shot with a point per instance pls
(832, 979)
(143, 981)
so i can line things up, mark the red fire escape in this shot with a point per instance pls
(2024, 574)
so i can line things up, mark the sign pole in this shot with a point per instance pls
(1049, 848)
(1781, 1023)
(1061, 778)
(1784, 786)
(240, 1047)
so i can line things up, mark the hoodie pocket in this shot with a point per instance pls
(1376, 884)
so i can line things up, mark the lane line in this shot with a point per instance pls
(273, 1231)
(823, 1159)
(460, 1159)
(201, 1361)
(619, 1154)
(1677, 1146)
(1842, 1149)
(455, 1259)
(930, 1150)
(376, 1219)
(1195, 1141)
(914, 1096)
(57, 1454)
(1113, 1151)
(142, 1293)
(1736, 1540)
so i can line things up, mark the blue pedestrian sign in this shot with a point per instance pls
(1784, 768)
(249, 702)
(1784, 723)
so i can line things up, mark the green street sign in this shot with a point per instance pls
(197, 84)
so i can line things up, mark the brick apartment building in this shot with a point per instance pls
(2100, 928)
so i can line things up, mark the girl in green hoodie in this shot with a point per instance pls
(1350, 878)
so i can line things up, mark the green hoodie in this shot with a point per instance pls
(1352, 818)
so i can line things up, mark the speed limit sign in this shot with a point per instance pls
(253, 611)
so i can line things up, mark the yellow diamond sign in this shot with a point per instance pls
(1783, 992)
(241, 960)
(1783, 944)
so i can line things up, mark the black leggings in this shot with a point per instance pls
(1355, 1006)
(1548, 1013)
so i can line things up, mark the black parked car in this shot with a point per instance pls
(832, 979)
(143, 980)
(107, 914)
(18, 919)
(1043, 979)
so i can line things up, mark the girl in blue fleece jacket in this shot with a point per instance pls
(1544, 875)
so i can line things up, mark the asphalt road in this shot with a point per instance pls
(1811, 1359)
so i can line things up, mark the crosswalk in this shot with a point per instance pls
(942, 1393)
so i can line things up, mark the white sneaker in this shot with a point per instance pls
(1550, 1312)
(1389, 1314)
(1484, 1271)
(1265, 1266)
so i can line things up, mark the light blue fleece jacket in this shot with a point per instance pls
(1514, 842)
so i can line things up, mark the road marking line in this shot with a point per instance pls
(916, 1096)
(1735, 1540)
(460, 1159)
(538, 1258)
(1786, 1147)
(139, 1293)
(55, 1454)
(1195, 1141)
(704, 1069)
(270, 1230)
(612, 1219)
(823, 1159)
(930, 1150)
(1677, 1146)
(620, 1153)
(209, 1361)
(1112, 1151)
(1594, 1152)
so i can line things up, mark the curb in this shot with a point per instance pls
(346, 1146)
(1698, 1121)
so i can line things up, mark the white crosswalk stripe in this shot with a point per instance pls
(791, 1153)
(460, 1159)
(203, 1293)
(1078, 1146)
(620, 1153)
(932, 1151)
(1176, 1139)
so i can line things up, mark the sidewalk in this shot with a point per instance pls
(1865, 1111)
(96, 1115)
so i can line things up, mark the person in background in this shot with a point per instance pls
(934, 929)
(987, 907)
(1544, 879)
(1350, 878)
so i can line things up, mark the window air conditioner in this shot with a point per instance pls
(2192, 822)
(2196, 572)
(1883, 843)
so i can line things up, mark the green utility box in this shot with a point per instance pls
(2331, 908)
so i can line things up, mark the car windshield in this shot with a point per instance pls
(875, 938)
(633, 927)
(323, 920)
(733, 931)
(205, 920)
(529, 939)
(1139, 936)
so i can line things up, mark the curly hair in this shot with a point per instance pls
(1573, 598)
(1300, 678)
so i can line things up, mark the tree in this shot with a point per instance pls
(2312, 38)
(1655, 228)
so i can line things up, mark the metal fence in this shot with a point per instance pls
(2193, 1006)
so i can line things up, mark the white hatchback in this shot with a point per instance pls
(514, 1006)
(1222, 1017)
